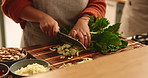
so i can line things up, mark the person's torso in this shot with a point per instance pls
(65, 12)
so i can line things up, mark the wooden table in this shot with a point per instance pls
(128, 64)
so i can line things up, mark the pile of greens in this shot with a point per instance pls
(105, 37)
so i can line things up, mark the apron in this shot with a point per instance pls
(134, 20)
(65, 12)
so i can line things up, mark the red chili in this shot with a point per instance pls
(2, 72)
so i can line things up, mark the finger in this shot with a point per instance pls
(44, 28)
(85, 40)
(55, 30)
(46, 32)
(73, 33)
(89, 39)
(81, 37)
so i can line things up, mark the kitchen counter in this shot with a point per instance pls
(42, 51)
(129, 64)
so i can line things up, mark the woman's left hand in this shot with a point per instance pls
(81, 30)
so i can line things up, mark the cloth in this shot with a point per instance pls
(65, 12)
(13, 8)
(134, 18)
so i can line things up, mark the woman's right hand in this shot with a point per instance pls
(49, 26)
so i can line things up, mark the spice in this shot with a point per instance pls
(11, 54)
(2, 72)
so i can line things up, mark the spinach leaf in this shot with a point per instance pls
(113, 28)
(109, 38)
(124, 43)
(105, 37)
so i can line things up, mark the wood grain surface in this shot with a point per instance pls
(42, 52)
(128, 64)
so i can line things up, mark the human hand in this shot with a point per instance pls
(81, 30)
(49, 26)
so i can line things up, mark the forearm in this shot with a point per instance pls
(85, 17)
(95, 8)
(13, 8)
(31, 14)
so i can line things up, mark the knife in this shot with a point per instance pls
(68, 39)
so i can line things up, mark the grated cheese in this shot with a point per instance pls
(31, 69)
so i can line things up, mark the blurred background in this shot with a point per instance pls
(10, 32)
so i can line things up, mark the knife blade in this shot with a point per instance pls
(68, 39)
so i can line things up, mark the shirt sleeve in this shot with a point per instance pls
(95, 8)
(13, 8)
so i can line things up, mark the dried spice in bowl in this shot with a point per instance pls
(11, 54)
(2, 72)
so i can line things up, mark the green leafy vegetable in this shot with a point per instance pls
(113, 28)
(105, 37)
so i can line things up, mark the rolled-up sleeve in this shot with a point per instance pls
(95, 8)
(13, 8)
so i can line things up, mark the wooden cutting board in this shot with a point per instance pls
(42, 52)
